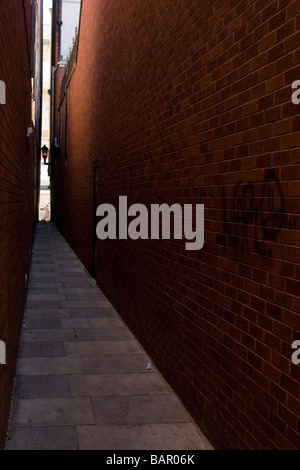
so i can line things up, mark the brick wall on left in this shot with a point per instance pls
(17, 163)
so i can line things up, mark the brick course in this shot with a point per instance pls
(190, 102)
(17, 186)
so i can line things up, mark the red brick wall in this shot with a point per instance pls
(190, 102)
(16, 186)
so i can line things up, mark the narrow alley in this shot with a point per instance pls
(83, 381)
(150, 225)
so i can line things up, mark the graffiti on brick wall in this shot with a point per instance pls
(253, 218)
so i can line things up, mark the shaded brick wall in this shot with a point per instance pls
(16, 186)
(190, 102)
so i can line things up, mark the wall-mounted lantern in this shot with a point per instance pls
(45, 152)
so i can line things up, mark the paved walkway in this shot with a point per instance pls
(82, 380)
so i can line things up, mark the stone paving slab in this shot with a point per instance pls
(86, 291)
(43, 438)
(47, 335)
(82, 379)
(41, 323)
(33, 314)
(42, 286)
(70, 279)
(44, 290)
(49, 366)
(102, 323)
(105, 348)
(91, 295)
(118, 364)
(173, 436)
(74, 285)
(53, 411)
(102, 312)
(41, 349)
(103, 334)
(84, 303)
(42, 268)
(42, 386)
(47, 296)
(117, 384)
(43, 279)
(42, 304)
(147, 409)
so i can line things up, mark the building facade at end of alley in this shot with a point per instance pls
(167, 102)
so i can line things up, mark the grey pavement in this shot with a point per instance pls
(82, 379)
